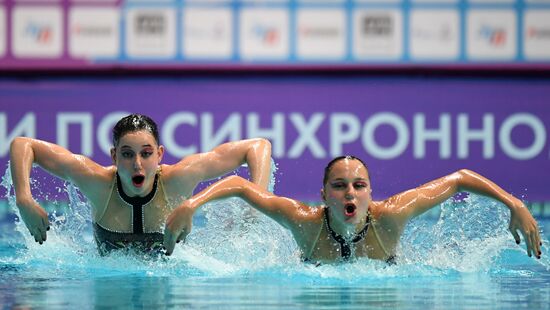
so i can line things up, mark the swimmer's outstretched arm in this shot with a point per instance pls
(285, 211)
(416, 201)
(24, 152)
(256, 153)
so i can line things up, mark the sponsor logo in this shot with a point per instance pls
(151, 33)
(493, 35)
(266, 34)
(377, 34)
(91, 30)
(37, 31)
(94, 32)
(538, 33)
(320, 32)
(207, 32)
(150, 24)
(380, 26)
(443, 33)
(216, 31)
(434, 34)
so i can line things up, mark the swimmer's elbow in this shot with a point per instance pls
(18, 141)
(236, 185)
(465, 179)
(262, 143)
(465, 171)
(265, 142)
(18, 145)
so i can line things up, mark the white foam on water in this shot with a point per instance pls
(469, 236)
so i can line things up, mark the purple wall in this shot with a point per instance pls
(385, 111)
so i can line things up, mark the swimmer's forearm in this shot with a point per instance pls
(228, 187)
(429, 195)
(21, 160)
(473, 182)
(282, 210)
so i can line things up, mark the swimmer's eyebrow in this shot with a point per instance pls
(344, 179)
(129, 147)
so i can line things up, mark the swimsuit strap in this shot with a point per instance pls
(137, 203)
(161, 187)
(99, 215)
(391, 257)
(345, 246)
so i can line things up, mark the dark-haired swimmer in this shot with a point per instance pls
(130, 199)
(351, 224)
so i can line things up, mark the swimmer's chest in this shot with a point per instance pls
(119, 216)
(327, 249)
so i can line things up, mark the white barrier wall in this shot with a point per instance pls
(239, 34)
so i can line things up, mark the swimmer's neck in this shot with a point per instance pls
(347, 230)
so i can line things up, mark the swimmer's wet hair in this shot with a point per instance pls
(133, 123)
(337, 159)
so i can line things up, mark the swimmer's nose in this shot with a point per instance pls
(137, 163)
(350, 192)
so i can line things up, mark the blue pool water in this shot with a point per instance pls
(460, 258)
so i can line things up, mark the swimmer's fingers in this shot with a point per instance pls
(531, 236)
(43, 229)
(539, 242)
(535, 240)
(36, 234)
(528, 242)
(171, 232)
(183, 235)
(178, 226)
(514, 233)
(36, 220)
(169, 241)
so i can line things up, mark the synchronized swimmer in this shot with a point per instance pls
(132, 198)
(350, 224)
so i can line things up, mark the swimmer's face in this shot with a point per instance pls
(137, 157)
(347, 192)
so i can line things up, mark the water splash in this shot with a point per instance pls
(230, 238)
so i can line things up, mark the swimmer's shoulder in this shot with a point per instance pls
(178, 180)
(92, 175)
(305, 213)
(177, 172)
(387, 214)
(98, 186)
(307, 227)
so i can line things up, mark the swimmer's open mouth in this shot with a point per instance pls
(138, 180)
(349, 209)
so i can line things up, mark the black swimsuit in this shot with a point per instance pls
(108, 240)
(345, 245)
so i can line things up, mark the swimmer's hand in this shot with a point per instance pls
(178, 226)
(35, 218)
(523, 221)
